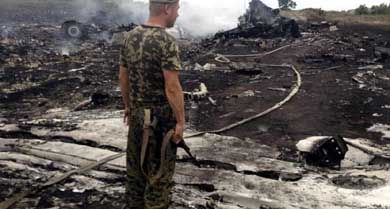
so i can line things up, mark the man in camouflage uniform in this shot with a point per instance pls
(149, 81)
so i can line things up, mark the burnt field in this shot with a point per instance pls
(344, 91)
(60, 108)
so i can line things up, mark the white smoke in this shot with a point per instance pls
(204, 17)
(137, 11)
(109, 12)
(198, 18)
(87, 9)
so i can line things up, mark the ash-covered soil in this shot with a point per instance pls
(345, 91)
(41, 71)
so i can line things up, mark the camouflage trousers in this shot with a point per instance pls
(140, 193)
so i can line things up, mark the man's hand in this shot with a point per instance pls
(179, 132)
(124, 85)
(126, 117)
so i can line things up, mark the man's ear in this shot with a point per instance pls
(166, 9)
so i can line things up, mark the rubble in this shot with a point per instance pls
(73, 29)
(382, 52)
(323, 151)
(371, 67)
(359, 182)
(381, 128)
(262, 21)
(257, 173)
(45, 77)
(197, 94)
(96, 99)
(333, 28)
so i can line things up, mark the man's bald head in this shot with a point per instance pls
(163, 12)
(158, 7)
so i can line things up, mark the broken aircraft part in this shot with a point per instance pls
(323, 151)
(197, 94)
(262, 21)
(74, 29)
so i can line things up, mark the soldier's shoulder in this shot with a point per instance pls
(160, 37)
(131, 36)
(168, 36)
(133, 32)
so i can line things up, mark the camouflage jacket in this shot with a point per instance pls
(146, 52)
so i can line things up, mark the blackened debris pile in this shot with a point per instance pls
(262, 21)
(73, 29)
(323, 151)
(39, 70)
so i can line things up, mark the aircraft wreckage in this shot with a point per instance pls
(281, 114)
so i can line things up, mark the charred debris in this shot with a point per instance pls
(264, 22)
(60, 109)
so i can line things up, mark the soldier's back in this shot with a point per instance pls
(146, 53)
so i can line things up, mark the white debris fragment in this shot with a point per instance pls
(209, 66)
(76, 190)
(357, 79)
(212, 101)
(198, 67)
(197, 93)
(385, 78)
(362, 86)
(306, 145)
(386, 107)
(356, 157)
(248, 93)
(333, 28)
(227, 115)
(65, 51)
(381, 128)
(10, 127)
(277, 89)
(55, 110)
(371, 67)
(78, 69)
(377, 115)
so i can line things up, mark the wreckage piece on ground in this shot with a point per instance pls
(262, 21)
(323, 151)
(76, 30)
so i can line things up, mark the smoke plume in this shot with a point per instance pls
(199, 18)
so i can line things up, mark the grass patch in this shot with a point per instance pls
(337, 17)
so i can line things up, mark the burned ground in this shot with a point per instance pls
(44, 78)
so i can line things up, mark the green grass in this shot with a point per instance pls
(338, 17)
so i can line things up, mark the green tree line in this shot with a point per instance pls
(382, 9)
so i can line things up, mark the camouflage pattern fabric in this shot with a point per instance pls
(147, 51)
(139, 193)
